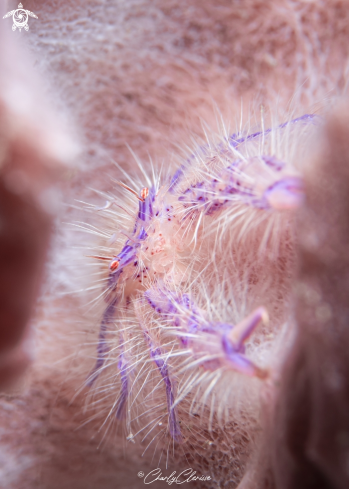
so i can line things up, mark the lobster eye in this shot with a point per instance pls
(144, 193)
(114, 265)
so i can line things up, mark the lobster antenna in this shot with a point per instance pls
(130, 190)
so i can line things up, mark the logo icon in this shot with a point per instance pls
(20, 18)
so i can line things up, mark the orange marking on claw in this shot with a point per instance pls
(144, 193)
(114, 265)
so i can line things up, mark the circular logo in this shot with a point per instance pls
(20, 18)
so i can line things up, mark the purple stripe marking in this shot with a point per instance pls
(197, 195)
(156, 355)
(273, 162)
(122, 365)
(166, 305)
(176, 178)
(102, 347)
(145, 212)
(162, 366)
(237, 358)
(235, 141)
(129, 251)
(169, 306)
